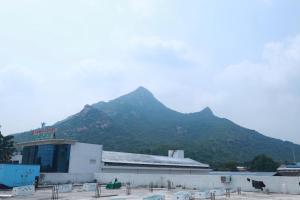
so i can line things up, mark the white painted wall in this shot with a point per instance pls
(176, 153)
(277, 184)
(85, 158)
(62, 178)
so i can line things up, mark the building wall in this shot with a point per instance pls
(62, 178)
(276, 184)
(85, 158)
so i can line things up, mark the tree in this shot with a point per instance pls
(6, 148)
(227, 166)
(263, 163)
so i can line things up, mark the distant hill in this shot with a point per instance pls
(138, 122)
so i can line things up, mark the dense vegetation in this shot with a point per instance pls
(260, 163)
(6, 148)
(228, 166)
(137, 122)
(263, 163)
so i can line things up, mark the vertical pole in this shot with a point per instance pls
(169, 185)
(54, 195)
(239, 190)
(227, 192)
(128, 189)
(212, 196)
(98, 191)
(151, 187)
(57, 192)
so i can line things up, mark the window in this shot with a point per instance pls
(51, 158)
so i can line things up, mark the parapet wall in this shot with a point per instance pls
(276, 184)
(62, 178)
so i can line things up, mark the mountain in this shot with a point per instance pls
(137, 122)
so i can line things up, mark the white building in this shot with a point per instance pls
(119, 162)
(64, 160)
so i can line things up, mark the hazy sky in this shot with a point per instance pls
(241, 58)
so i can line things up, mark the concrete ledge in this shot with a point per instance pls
(63, 178)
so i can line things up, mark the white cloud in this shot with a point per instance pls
(144, 8)
(265, 95)
(157, 42)
(167, 52)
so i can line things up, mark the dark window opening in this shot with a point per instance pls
(51, 158)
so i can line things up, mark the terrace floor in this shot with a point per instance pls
(138, 193)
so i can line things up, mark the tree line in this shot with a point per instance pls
(260, 163)
(6, 148)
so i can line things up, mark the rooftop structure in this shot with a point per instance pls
(119, 162)
(62, 155)
(120, 158)
(289, 170)
(74, 158)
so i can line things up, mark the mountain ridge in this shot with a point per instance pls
(137, 122)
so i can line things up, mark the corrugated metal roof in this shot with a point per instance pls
(144, 159)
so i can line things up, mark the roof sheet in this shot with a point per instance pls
(131, 158)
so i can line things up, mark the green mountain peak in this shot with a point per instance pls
(137, 122)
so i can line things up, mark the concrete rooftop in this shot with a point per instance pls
(139, 193)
